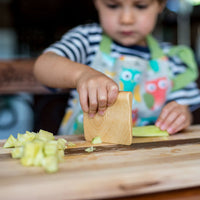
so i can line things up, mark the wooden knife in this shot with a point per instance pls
(116, 124)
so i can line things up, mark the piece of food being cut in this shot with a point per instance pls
(50, 164)
(96, 140)
(10, 142)
(45, 135)
(17, 152)
(148, 131)
(71, 144)
(90, 149)
(24, 138)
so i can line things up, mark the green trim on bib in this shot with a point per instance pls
(191, 73)
(184, 53)
(156, 51)
(105, 45)
(186, 56)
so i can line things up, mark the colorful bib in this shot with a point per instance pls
(150, 81)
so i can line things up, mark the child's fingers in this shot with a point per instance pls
(102, 100)
(164, 113)
(170, 118)
(93, 105)
(112, 94)
(83, 96)
(177, 118)
(182, 121)
(178, 124)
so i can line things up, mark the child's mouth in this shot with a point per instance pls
(127, 33)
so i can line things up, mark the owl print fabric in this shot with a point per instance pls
(149, 81)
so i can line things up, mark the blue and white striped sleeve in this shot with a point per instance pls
(73, 45)
(190, 94)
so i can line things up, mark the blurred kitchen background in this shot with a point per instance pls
(29, 26)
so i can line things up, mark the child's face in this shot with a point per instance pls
(128, 21)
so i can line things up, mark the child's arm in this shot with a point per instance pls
(96, 90)
(174, 117)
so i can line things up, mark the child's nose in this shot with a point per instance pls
(127, 17)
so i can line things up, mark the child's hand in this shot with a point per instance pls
(96, 92)
(174, 117)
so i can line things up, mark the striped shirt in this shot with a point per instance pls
(81, 43)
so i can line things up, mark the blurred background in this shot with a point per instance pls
(27, 27)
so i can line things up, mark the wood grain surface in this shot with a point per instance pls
(150, 167)
(17, 76)
(115, 126)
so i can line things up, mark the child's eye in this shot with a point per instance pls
(140, 6)
(112, 6)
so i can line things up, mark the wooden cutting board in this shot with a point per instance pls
(149, 165)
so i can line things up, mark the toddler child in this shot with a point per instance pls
(119, 53)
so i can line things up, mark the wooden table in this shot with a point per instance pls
(151, 168)
(17, 76)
